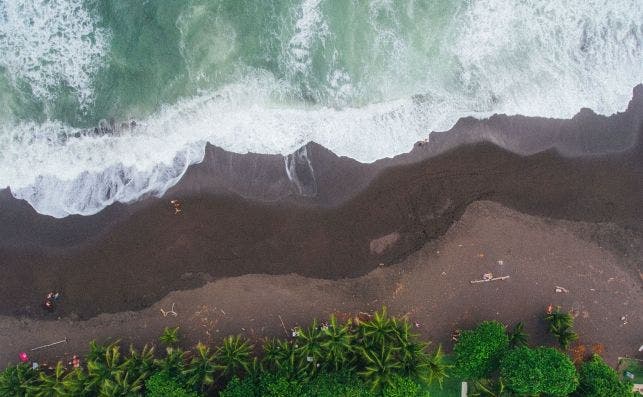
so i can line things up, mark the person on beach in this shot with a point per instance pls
(49, 303)
(53, 295)
(177, 206)
(75, 361)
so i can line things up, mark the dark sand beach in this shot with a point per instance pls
(557, 201)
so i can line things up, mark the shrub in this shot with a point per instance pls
(240, 388)
(543, 370)
(402, 387)
(478, 351)
(161, 384)
(16, 380)
(337, 384)
(278, 386)
(598, 379)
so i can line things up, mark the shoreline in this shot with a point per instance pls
(335, 221)
(142, 251)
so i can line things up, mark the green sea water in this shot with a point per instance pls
(160, 51)
(365, 78)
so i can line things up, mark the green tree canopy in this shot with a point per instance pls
(478, 351)
(598, 379)
(542, 370)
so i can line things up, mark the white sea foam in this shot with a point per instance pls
(549, 58)
(309, 26)
(530, 58)
(48, 44)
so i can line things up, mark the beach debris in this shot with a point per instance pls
(624, 320)
(50, 345)
(284, 326)
(500, 262)
(549, 309)
(176, 204)
(455, 335)
(641, 348)
(487, 277)
(444, 273)
(561, 289)
(23, 357)
(417, 324)
(170, 312)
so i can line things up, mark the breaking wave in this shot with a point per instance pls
(364, 79)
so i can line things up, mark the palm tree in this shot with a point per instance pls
(233, 357)
(380, 367)
(560, 325)
(199, 372)
(337, 345)
(140, 363)
(280, 357)
(379, 330)
(275, 353)
(310, 346)
(518, 336)
(53, 385)
(122, 384)
(437, 367)
(75, 382)
(173, 363)
(104, 364)
(16, 380)
(170, 336)
(558, 319)
(414, 360)
(565, 337)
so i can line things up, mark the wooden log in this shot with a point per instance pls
(489, 279)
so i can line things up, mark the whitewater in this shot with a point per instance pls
(111, 101)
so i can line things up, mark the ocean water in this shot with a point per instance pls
(111, 100)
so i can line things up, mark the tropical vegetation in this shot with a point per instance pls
(380, 356)
(375, 357)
